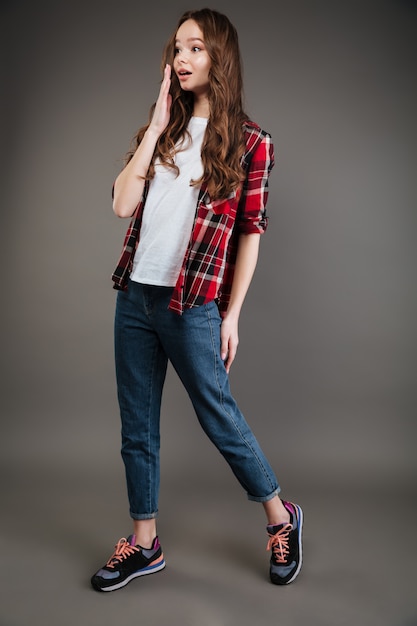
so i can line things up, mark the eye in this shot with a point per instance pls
(176, 51)
(196, 49)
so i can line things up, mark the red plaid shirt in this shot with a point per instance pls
(207, 270)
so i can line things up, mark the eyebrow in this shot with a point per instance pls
(191, 39)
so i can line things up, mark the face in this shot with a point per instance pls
(191, 62)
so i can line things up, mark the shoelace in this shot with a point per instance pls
(122, 551)
(279, 543)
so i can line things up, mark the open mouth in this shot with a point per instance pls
(184, 73)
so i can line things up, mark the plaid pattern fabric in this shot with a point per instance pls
(208, 267)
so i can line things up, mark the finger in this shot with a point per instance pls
(224, 348)
(230, 358)
(167, 76)
(166, 82)
(229, 361)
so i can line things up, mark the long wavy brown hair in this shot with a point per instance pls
(223, 144)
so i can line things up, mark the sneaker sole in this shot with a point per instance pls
(300, 520)
(151, 569)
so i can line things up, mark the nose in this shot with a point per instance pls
(182, 56)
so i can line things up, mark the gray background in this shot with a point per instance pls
(326, 365)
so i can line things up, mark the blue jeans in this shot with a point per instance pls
(147, 334)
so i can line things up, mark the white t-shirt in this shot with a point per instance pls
(168, 214)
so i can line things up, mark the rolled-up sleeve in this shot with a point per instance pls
(252, 217)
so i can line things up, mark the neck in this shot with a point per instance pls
(201, 107)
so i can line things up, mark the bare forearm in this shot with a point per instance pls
(129, 185)
(247, 258)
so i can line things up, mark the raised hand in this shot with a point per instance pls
(162, 109)
(129, 184)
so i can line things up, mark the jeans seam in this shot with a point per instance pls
(154, 368)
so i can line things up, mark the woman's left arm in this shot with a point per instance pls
(247, 257)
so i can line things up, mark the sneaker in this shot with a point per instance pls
(285, 544)
(127, 562)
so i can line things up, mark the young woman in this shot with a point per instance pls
(195, 186)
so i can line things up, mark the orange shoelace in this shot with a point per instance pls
(122, 551)
(279, 543)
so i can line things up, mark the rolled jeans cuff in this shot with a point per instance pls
(264, 498)
(140, 516)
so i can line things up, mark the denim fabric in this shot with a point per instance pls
(147, 334)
